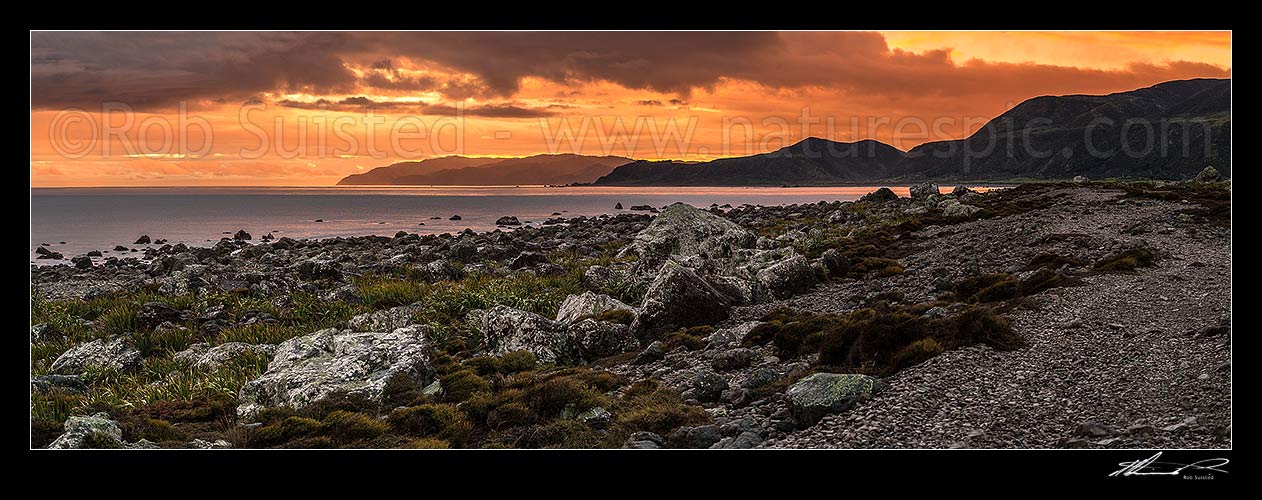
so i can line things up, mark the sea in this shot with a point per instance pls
(74, 221)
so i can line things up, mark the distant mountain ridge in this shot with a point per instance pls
(1041, 138)
(472, 171)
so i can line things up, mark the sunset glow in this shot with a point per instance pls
(310, 108)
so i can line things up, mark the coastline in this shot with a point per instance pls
(715, 370)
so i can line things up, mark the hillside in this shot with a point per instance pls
(811, 161)
(460, 170)
(1167, 131)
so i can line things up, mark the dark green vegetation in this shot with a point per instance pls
(1126, 261)
(688, 338)
(1209, 200)
(487, 402)
(1167, 131)
(881, 339)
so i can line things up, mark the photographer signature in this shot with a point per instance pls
(1151, 467)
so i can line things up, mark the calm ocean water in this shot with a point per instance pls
(77, 220)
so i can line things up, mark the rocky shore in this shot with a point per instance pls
(1041, 316)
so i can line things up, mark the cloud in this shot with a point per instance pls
(159, 69)
(488, 111)
(358, 103)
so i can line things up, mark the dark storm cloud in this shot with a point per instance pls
(159, 69)
(153, 70)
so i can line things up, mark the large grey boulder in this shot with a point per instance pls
(44, 332)
(679, 298)
(578, 306)
(952, 208)
(682, 231)
(308, 368)
(823, 393)
(116, 353)
(211, 358)
(58, 383)
(788, 277)
(77, 430)
(386, 320)
(922, 191)
(590, 339)
(505, 330)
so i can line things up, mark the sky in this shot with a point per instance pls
(308, 108)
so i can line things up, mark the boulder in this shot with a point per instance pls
(590, 339)
(699, 437)
(823, 393)
(836, 263)
(386, 320)
(102, 430)
(734, 359)
(654, 352)
(960, 190)
(202, 444)
(882, 195)
(507, 220)
(586, 304)
(678, 298)
(1079, 179)
(44, 332)
(82, 262)
(727, 338)
(706, 386)
(744, 440)
(644, 441)
(954, 208)
(241, 235)
(617, 206)
(308, 368)
(205, 357)
(682, 231)
(116, 353)
(922, 191)
(454, 217)
(315, 269)
(528, 259)
(597, 418)
(143, 240)
(442, 269)
(52, 383)
(788, 277)
(505, 330)
(1208, 174)
(155, 313)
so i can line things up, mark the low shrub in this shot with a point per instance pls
(432, 420)
(880, 340)
(1126, 261)
(692, 338)
(284, 431)
(620, 316)
(345, 427)
(458, 386)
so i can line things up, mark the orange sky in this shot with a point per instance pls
(310, 108)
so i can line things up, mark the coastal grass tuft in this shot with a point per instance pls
(882, 339)
(1126, 261)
